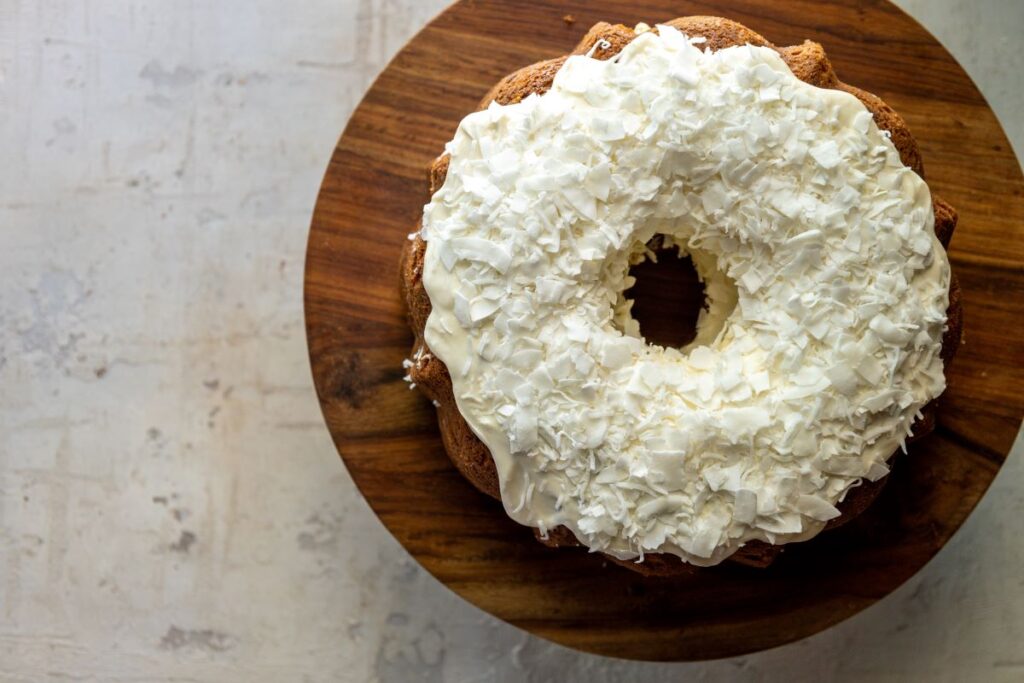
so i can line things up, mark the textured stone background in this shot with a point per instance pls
(171, 506)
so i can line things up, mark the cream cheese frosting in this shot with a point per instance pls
(828, 293)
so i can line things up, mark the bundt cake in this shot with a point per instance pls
(831, 308)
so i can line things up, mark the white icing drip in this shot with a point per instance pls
(796, 209)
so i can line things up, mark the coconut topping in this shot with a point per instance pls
(827, 296)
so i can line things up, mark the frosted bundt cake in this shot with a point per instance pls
(830, 306)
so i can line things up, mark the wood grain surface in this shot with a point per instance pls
(371, 198)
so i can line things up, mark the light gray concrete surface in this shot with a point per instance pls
(171, 506)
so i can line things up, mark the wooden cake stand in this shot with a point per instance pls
(371, 198)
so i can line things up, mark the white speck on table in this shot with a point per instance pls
(171, 505)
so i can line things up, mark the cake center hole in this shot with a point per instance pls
(667, 298)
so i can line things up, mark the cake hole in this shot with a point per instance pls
(667, 298)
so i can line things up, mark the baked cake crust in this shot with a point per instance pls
(810, 64)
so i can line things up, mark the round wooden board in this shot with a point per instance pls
(371, 198)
